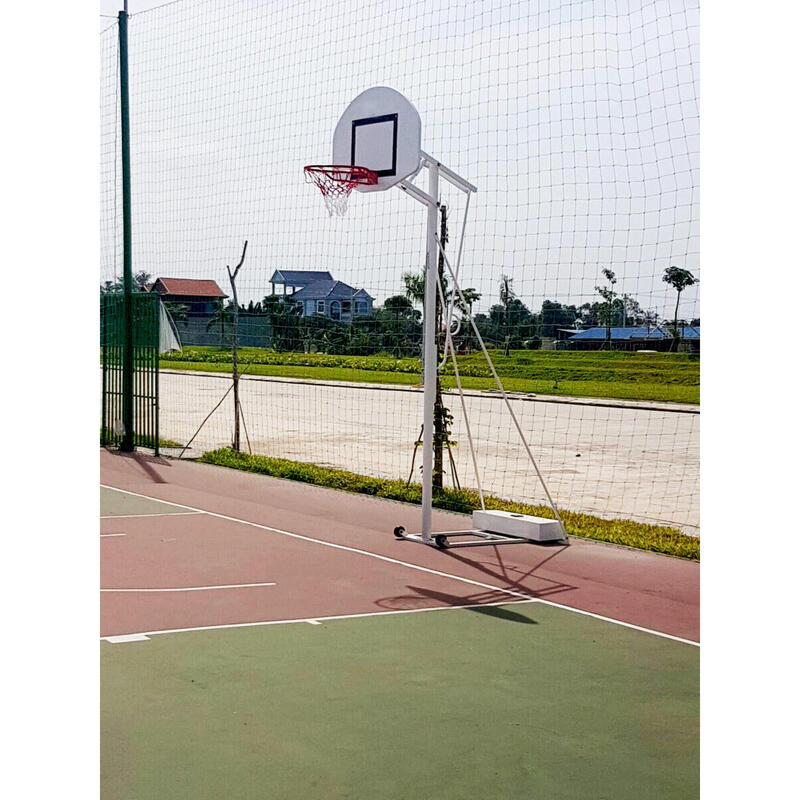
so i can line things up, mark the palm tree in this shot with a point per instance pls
(141, 280)
(222, 314)
(679, 279)
(506, 292)
(414, 283)
(506, 296)
(178, 311)
(470, 296)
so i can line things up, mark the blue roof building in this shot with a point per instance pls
(295, 279)
(318, 292)
(658, 337)
(334, 299)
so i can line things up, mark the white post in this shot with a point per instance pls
(429, 347)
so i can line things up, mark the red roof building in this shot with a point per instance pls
(201, 296)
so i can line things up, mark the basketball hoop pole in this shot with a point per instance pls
(377, 145)
(429, 350)
(431, 200)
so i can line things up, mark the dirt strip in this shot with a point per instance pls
(645, 589)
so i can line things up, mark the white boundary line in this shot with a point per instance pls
(141, 636)
(106, 535)
(616, 622)
(311, 620)
(511, 592)
(162, 514)
(341, 547)
(133, 637)
(193, 588)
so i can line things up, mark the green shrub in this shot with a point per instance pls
(535, 364)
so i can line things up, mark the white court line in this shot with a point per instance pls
(320, 620)
(104, 535)
(616, 622)
(193, 588)
(132, 637)
(308, 620)
(162, 514)
(335, 546)
(410, 566)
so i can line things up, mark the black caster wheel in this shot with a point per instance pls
(440, 541)
(399, 531)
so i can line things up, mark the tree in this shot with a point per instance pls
(237, 409)
(606, 310)
(111, 287)
(470, 297)
(284, 316)
(506, 296)
(555, 316)
(508, 325)
(312, 331)
(587, 314)
(178, 311)
(400, 304)
(222, 314)
(679, 279)
(141, 280)
(650, 317)
(400, 326)
(414, 283)
(364, 335)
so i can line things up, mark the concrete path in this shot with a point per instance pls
(615, 459)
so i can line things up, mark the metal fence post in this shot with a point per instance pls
(127, 444)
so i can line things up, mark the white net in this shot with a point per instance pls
(336, 182)
(578, 122)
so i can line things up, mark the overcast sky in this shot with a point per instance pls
(578, 122)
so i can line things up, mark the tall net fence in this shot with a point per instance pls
(578, 123)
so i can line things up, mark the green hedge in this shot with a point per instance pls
(656, 538)
(661, 368)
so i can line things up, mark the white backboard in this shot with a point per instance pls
(382, 131)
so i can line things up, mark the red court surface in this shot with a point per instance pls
(331, 553)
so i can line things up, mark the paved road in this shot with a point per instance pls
(631, 460)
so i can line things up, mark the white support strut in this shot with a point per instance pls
(499, 383)
(416, 193)
(447, 174)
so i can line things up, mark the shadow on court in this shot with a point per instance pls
(498, 612)
(420, 599)
(512, 576)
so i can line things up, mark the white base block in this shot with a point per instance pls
(538, 529)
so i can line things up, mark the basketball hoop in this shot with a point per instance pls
(337, 181)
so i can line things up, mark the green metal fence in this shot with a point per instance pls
(145, 369)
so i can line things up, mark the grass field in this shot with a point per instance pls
(660, 377)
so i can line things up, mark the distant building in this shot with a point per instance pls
(654, 337)
(335, 300)
(200, 296)
(294, 279)
(319, 293)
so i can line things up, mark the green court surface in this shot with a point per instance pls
(121, 504)
(516, 701)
